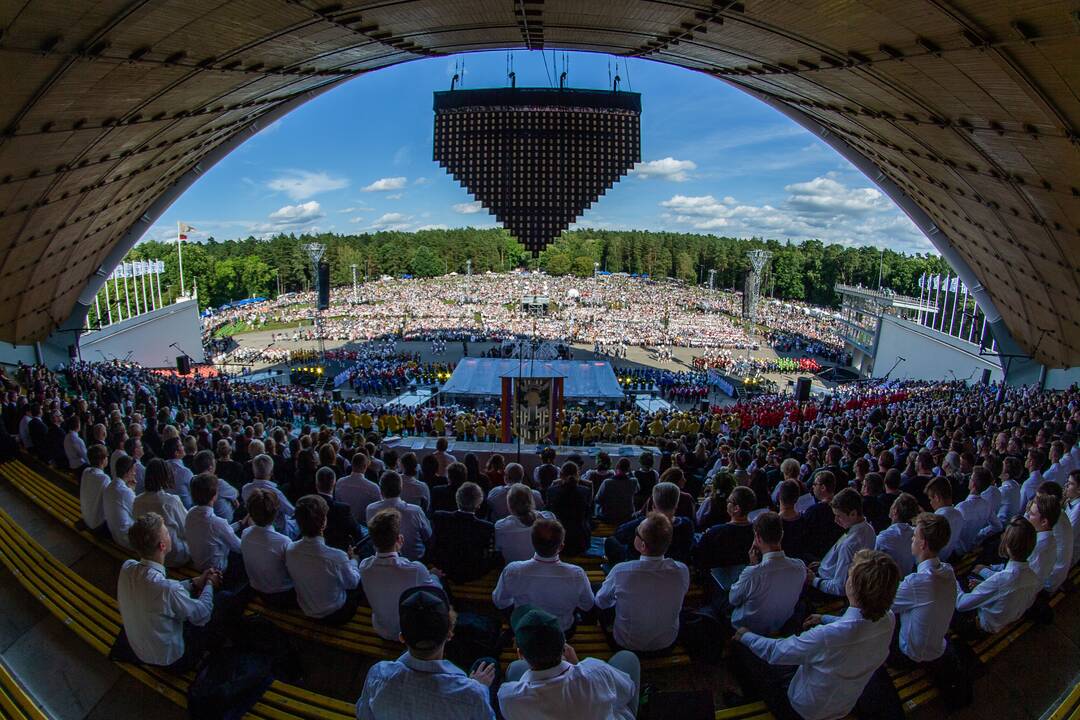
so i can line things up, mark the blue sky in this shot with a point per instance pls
(715, 160)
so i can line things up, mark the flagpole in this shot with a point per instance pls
(139, 309)
(142, 279)
(963, 311)
(157, 274)
(97, 308)
(127, 297)
(108, 306)
(952, 315)
(180, 255)
(922, 282)
(116, 291)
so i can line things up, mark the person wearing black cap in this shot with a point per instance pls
(549, 680)
(420, 683)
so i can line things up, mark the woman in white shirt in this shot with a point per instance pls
(513, 534)
(158, 498)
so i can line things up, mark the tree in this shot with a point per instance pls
(425, 263)
(583, 265)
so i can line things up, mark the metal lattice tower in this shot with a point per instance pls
(752, 290)
(315, 253)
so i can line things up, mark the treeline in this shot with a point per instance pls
(233, 269)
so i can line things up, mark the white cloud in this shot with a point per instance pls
(386, 184)
(391, 221)
(302, 184)
(468, 208)
(395, 196)
(821, 208)
(297, 214)
(420, 181)
(665, 168)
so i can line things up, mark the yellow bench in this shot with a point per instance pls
(15, 702)
(1068, 707)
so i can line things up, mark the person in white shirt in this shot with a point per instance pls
(356, 491)
(1063, 537)
(1034, 465)
(263, 550)
(1058, 470)
(1010, 491)
(262, 468)
(548, 680)
(444, 458)
(764, 596)
(327, 579)
(415, 527)
(497, 497)
(1072, 509)
(386, 575)
(74, 447)
(646, 594)
(895, 540)
(975, 509)
(228, 499)
(545, 581)
(164, 620)
(939, 492)
(925, 599)
(1042, 513)
(412, 490)
(821, 673)
(997, 599)
(158, 498)
(830, 575)
(117, 500)
(513, 534)
(212, 542)
(173, 451)
(134, 448)
(92, 485)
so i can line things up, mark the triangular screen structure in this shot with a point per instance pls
(537, 158)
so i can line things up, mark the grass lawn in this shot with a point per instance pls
(239, 328)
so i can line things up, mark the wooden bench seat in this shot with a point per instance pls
(1068, 707)
(15, 702)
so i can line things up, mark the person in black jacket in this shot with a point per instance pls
(341, 532)
(924, 469)
(665, 499)
(572, 504)
(462, 545)
(728, 543)
(818, 522)
(874, 509)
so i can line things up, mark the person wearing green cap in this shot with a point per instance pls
(549, 681)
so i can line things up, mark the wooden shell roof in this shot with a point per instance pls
(972, 107)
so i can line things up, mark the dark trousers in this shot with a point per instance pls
(197, 642)
(761, 681)
(353, 599)
(285, 600)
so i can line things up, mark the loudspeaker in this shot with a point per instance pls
(73, 352)
(183, 365)
(704, 406)
(802, 389)
(986, 377)
(336, 393)
(324, 286)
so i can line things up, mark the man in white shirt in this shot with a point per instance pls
(1058, 470)
(262, 467)
(415, 527)
(1034, 466)
(764, 596)
(263, 550)
(1063, 537)
(228, 498)
(412, 490)
(831, 573)
(91, 488)
(998, 598)
(939, 492)
(117, 500)
(74, 447)
(356, 491)
(386, 575)
(1010, 491)
(1043, 514)
(173, 452)
(1072, 509)
(925, 599)
(545, 581)
(164, 620)
(327, 579)
(497, 496)
(975, 509)
(646, 594)
(212, 542)
(444, 458)
(548, 681)
(821, 673)
(895, 540)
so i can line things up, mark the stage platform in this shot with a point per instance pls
(584, 380)
(530, 453)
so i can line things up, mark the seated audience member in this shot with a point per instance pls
(615, 498)
(790, 470)
(341, 531)
(939, 493)
(1036, 461)
(413, 490)
(74, 447)
(262, 470)
(497, 496)
(420, 683)
(463, 545)
(118, 499)
(92, 486)
(874, 507)
(821, 530)
(925, 599)
(327, 579)
(895, 540)
(228, 497)
(1072, 509)
(546, 472)
(212, 542)
(1063, 538)
(794, 527)
(646, 594)
(727, 544)
(1009, 490)
(646, 478)
(158, 498)
(687, 507)
(1042, 513)
(830, 575)
(173, 453)
(976, 511)
(444, 458)
(544, 580)
(996, 599)
(822, 672)
(764, 596)
(356, 491)
(164, 620)
(571, 501)
(443, 497)
(513, 534)
(893, 478)
(387, 575)
(414, 524)
(665, 500)
(263, 549)
(548, 681)
(924, 473)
